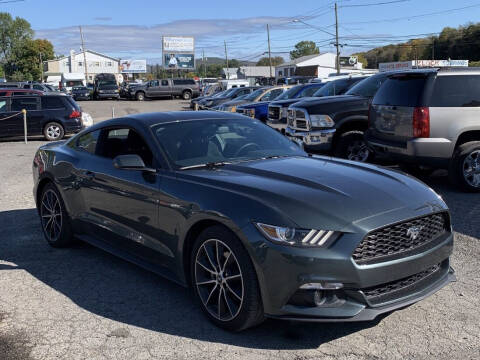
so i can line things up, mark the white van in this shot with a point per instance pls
(69, 80)
(228, 84)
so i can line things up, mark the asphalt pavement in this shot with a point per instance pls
(83, 303)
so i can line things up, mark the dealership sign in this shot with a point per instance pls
(346, 61)
(131, 66)
(405, 65)
(178, 44)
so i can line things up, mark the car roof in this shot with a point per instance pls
(154, 118)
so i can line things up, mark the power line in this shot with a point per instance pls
(374, 4)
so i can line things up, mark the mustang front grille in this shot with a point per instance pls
(402, 239)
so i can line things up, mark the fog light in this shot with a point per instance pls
(319, 298)
(323, 285)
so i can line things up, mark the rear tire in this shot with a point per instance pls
(53, 131)
(54, 218)
(351, 145)
(186, 95)
(140, 96)
(464, 170)
(224, 280)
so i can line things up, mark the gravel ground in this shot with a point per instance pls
(82, 303)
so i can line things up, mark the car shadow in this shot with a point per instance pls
(110, 287)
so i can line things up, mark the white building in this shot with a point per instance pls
(318, 65)
(74, 63)
(251, 73)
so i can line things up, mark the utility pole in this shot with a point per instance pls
(336, 41)
(204, 64)
(41, 65)
(226, 58)
(84, 55)
(269, 52)
(433, 48)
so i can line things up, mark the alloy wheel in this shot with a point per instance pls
(54, 131)
(51, 215)
(219, 280)
(358, 151)
(471, 169)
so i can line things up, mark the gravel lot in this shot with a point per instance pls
(82, 303)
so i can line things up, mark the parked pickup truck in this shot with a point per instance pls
(185, 88)
(336, 124)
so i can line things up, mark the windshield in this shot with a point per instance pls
(72, 83)
(367, 87)
(255, 94)
(80, 88)
(290, 93)
(198, 142)
(336, 87)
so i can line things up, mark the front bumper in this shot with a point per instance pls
(315, 139)
(277, 124)
(108, 96)
(282, 270)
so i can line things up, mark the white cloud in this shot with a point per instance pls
(146, 41)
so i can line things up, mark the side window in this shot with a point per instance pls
(52, 102)
(3, 105)
(38, 87)
(154, 83)
(3, 93)
(26, 86)
(164, 82)
(88, 142)
(124, 142)
(28, 103)
(456, 91)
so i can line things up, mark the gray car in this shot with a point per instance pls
(258, 228)
(430, 118)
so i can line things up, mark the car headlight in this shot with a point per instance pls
(321, 121)
(87, 94)
(284, 113)
(297, 237)
(116, 91)
(101, 91)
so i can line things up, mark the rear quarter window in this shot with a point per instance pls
(52, 102)
(401, 91)
(456, 91)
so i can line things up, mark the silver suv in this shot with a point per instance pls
(430, 117)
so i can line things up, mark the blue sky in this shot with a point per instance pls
(129, 29)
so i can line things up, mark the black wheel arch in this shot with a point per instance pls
(350, 123)
(467, 136)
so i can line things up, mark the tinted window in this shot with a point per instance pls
(154, 83)
(124, 142)
(213, 140)
(367, 87)
(27, 103)
(184, 82)
(456, 91)
(26, 86)
(3, 93)
(3, 105)
(52, 102)
(309, 91)
(336, 87)
(88, 142)
(72, 102)
(164, 82)
(38, 87)
(271, 95)
(401, 90)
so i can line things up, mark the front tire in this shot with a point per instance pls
(464, 170)
(351, 145)
(53, 131)
(140, 96)
(54, 218)
(224, 280)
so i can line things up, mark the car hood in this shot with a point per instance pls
(314, 101)
(287, 102)
(235, 102)
(323, 192)
(250, 105)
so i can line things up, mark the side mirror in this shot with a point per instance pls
(131, 162)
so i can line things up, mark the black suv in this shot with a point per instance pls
(52, 116)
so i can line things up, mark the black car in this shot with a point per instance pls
(225, 204)
(52, 116)
(81, 93)
(233, 93)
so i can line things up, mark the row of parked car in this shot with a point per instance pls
(423, 119)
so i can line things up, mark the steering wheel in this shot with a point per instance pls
(246, 146)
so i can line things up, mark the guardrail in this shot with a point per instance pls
(24, 112)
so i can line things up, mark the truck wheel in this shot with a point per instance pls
(53, 131)
(464, 170)
(140, 96)
(186, 95)
(351, 145)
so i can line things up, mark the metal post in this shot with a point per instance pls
(226, 58)
(204, 65)
(337, 44)
(113, 112)
(269, 52)
(25, 124)
(41, 67)
(84, 56)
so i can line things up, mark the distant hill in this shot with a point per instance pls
(462, 43)
(211, 60)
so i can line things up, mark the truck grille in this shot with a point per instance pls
(297, 119)
(240, 111)
(301, 124)
(402, 239)
(399, 288)
(274, 112)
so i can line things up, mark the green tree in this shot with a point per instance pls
(304, 48)
(276, 60)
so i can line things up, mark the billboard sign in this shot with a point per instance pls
(404, 65)
(131, 66)
(179, 61)
(347, 61)
(183, 44)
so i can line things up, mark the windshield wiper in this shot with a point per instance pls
(208, 165)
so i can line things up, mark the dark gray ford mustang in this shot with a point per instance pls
(257, 227)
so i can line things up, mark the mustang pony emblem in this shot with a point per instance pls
(414, 231)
